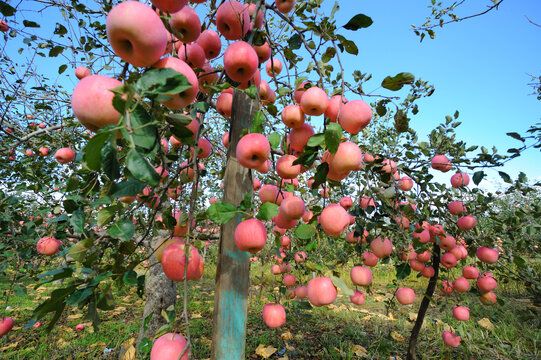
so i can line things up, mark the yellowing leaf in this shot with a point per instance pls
(359, 350)
(412, 316)
(286, 336)
(129, 354)
(10, 346)
(283, 358)
(197, 316)
(397, 337)
(485, 323)
(265, 351)
(74, 317)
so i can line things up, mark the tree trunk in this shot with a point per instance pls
(160, 294)
(233, 270)
(424, 304)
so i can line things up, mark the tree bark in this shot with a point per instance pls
(160, 293)
(233, 270)
(424, 304)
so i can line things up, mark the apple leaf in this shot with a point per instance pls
(109, 161)
(341, 285)
(295, 42)
(78, 250)
(478, 176)
(130, 277)
(130, 187)
(257, 125)
(222, 212)
(144, 134)
(179, 129)
(357, 22)
(77, 220)
(274, 140)
(398, 81)
(505, 177)
(402, 271)
(321, 175)
(305, 231)
(267, 211)
(6, 9)
(162, 81)
(92, 152)
(123, 229)
(333, 134)
(141, 168)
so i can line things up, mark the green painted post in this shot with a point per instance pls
(233, 271)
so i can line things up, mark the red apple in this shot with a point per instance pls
(486, 255)
(405, 296)
(48, 245)
(240, 61)
(210, 41)
(292, 116)
(381, 248)
(428, 272)
(6, 324)
(289, 280)
(79, 327)
(448, 260)
(64, 155)
(263, 52)
(357, 298)
(361, 276)
(284, 6)
(82, 72)
(466, 223)
(186, 21)
(461, 313)
(321, 291)
(251, 236)
(334, 220)
(488, 298)
(174, 261)
(461, 284)
(314, 101)
(274, 315)
(470, 272)
(136, 33)
(460, 179)
(253, 150)
(232, 20)
(298, 137)
(405, 183)
(92, 102)
(486, 284)
(441, 163)
(169, 347)
(273, 67)
(300, 256)
(193, 55)
(450, 339)
(354, 116)
(292, 207)
(369, 259)
(456, 208)
(301, 292)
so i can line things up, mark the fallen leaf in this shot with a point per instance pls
(485, 323)
(10, 346)
(62, 343)
(289, 347)
(129, 354)
(287, 336)
(265, 351)
(128, 343)
(74, 317)
(378, 298)
(41, 289)
(359, 350)
(197, 316)
(397, 337)
(98, 344)
(283, 358)
(412, 316)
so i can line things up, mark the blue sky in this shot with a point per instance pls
(478, 66)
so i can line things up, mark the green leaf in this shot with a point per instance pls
(62, 68)
(257, 125)
(402, 271)
(77, 220)
(329, 53)
(305, 231)
(162, 81)
(179, 129)
(398, 81)
(342, 286)
(478, 176)
(130, 187)
(519, 261)
(30, 24)
(123, 229)
(141, 168)
(381, 109)
(20, 290)
(92, 151)
(144, 135)
(515, 135)
(109, 161)
(333, 134)
(130, 277)
(55, 51)
(106, 214)
(6, 9)
(222, 212)
(358, 21)
(321, 175)
(78, 250)
(274, 140)
(267, 211)
(295, 42)
(505, 177)
(316, 140)
(251, 92)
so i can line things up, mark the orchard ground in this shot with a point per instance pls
(376, 330)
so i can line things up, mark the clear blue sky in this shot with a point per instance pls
(479, 66)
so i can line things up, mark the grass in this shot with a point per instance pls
(339, 331)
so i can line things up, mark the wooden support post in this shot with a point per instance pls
(233, 270)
